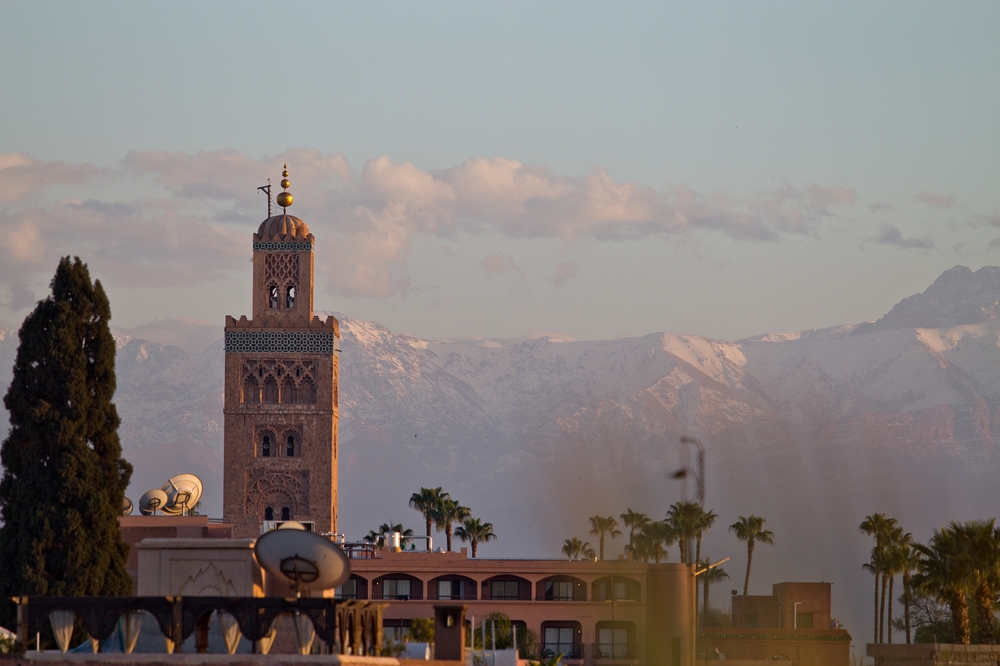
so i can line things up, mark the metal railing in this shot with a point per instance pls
(609, 652)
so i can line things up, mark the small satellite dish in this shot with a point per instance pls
(183, 493)
(126, 506)
(304, 560)
(151, 501)
(291, 525)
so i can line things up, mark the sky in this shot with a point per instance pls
(503, 170)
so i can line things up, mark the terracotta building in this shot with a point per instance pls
(593, 612)
(792, 624)
(281, 390)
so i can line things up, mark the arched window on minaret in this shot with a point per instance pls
(307, 391)
(265, 449)
(290, 297)
(289, 394)
(250, 392)
(270, 390)
(290, 446)
(272, 298)
(286, 513)
(269, 513)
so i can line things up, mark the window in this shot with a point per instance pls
(558, 640)
(286, 513)
(803, 620)
(505, 590)
(272, 300)
(612, 642)
(290, 446)
(349, 590)
(290, 297)
(615, 588)
(395, 630)
(270, 390)
(559, 590)
(269, 513)
(395, 588)
(266, 448)
(451, 589)
(289, 394)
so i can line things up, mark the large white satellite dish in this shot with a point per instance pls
(151, 501)
(126, 506)
(183, 493)
(304, 560)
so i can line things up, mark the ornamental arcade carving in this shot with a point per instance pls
(281, 408)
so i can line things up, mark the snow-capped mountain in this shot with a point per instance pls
(812, 430)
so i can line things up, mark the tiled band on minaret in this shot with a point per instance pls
(281, 389)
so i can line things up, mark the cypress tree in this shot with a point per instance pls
(64, 478)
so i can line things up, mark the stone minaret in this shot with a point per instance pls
(281, 389)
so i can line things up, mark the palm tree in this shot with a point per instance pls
(661, 536)
(378, 537)
(602, 526)
(704, 520)
(574, 548)
(427, 502)
(634, 521)
(879, 526)
(448, 513)
(710, 577)
(686, 521)
(942, 574)
(751, 529)
(909, 560)
(475, 531)
(980, 541)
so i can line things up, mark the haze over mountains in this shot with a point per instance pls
(812, 430)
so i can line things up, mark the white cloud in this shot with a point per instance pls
(935, 200)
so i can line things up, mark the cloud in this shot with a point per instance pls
(564, 271)
(934, 200)
(986, 220)
(880, 207)
(498, 264)
(890, 235)
(21, 175)
(21, 297)
(365, 220)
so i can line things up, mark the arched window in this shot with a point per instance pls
(266, 447)
(270, 390)
(272, 297)
(250, 392)
(286, 513)
(289, 394)
(290, 297)
(290, 446)
(307, 391)
(269, 513)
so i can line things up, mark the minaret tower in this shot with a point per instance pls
(281, 388)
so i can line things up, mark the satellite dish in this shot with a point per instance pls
(183, 492)
(151, 501)
(304, 560)
(292, 525)
(126, 506)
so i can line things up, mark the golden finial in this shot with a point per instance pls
(285, 198)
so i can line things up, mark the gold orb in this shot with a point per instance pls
(284, 199)
(285, 183)
(284, 174)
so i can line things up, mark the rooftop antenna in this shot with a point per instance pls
(266, 189)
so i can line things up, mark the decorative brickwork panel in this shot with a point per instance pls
(279, 342)
(288, 487)
(285, 247)
(281, 267)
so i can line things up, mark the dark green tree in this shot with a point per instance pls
(64, 477)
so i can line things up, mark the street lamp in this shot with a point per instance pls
(684, 471)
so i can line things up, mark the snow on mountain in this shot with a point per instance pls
(809, 428)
